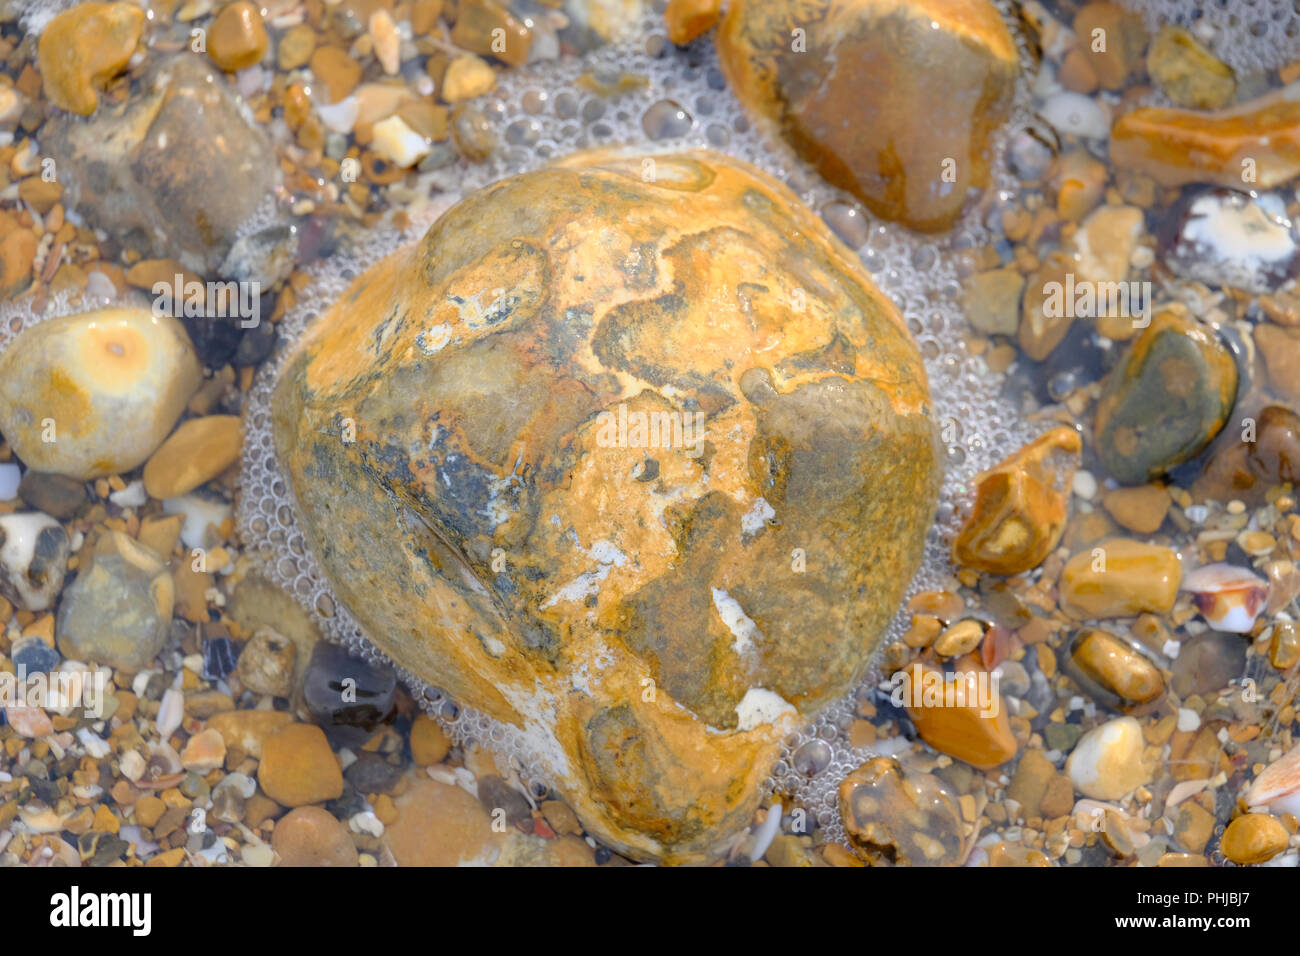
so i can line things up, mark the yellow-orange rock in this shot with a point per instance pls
(1112, 671)
(1250, 146)
(962, 715)
(298, 767)
(83, 48)
(655, 612)
(1120, 578)
(688, 19)
(897, 818)
(892, 100)
(237, 39)
(1020, 506)
(1253, 838)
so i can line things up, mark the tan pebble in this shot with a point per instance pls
(149, 810)
(312, 836)
(197, 452)
(961, 638)
(248, 730)
(1141, 509)
(486, 27)
(467, 77)
(1120, 578)
(237, 39)
(29, 722)
(1107, 763)
(296, 47)
(387, 44)
(339, 73)
(298, 767)
(1253, 838)
(429, 743)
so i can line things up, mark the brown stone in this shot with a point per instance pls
(668, 741)
(1034, 774)
(237, 39)
(339, 73)
(1281, 351)
(1189, 74)
(893, 101)
(266, 664)
(83, 48)
(1020, 506)
(1193, 826)
(1251, 146)
(429, 743)
(298, 767)
(312, 836)
(476, 23)
(1116, 51)
(296, 47)
(1120, 578)
(197, 452)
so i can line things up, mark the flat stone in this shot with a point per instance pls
(489, 28)
(1188, 73)
(105, 386)
(965, 727)
(429, 742)
(298, 767)
(1141, 508)
(198, 451)
(992, 301)
(266, 664)
(1253, 838)
(1120, 578)
(898, 818)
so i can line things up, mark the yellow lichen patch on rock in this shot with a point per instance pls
(627, 452)
(95, 393)
(83, 48)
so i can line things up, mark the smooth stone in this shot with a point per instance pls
(1250, 146)
(1120, 578)
(237, 39)
(1253, 838)
(118, 611)
(1170, 394)
(1187, 72)
(429, 742)
(1021, 506)
(83, 48)
(489, 28)
(1125, 38)
(468, 77)
(266, 664)
(1112, 672)
(979, 735)
(522, 629)
(35, 656)
(1230, 239)
(295, 47)
(194, 454)
(177, 171)
(298, 767)
(34, 552)
(346, 695)
(248, 730)
(1140, 508)
(1280, 348)
(895, 102)
(205, 751)
(336, 71)
(1275, 454)
(1107, 762)
(898, 818)
(397, 143)
(106, 385)
(472, 132)
(312, 836)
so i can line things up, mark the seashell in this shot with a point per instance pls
(1278, 786)
(1228, 597)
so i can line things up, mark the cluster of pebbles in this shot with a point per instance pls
(1140, 624)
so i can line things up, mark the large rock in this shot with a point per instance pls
(654, 616)
(892, 100)
(176, 172)
(94, 393)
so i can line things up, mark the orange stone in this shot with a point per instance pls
(951, 717)
(1251, 146)
(1120, 578)
(688, 19)
(1021, 506)
(298, 767)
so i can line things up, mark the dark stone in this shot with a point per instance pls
(1275, 455)
(100, 849)
(1208, 662)
(36, 656)
(219, 657)
(1166, 400)
(371, 773)
(347, 696)
(215, 338)
(57, 495)
(255, 345)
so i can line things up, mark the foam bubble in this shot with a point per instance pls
(1249, 35)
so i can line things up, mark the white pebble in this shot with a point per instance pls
(1085, 485)
(366, 822)
(1188, 720)
(1077, 115)
(132, 765)
(170, 712)
(766, 833)
(132, 496)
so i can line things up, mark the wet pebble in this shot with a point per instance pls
(1113, 672)
(298, 767)
(311, 836)
(34, 552)
(1253, 838)
(1107, 763)
(894, 817)
(266, 664)
(344, 694)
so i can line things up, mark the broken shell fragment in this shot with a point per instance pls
(1278, 786)
(1229, 598)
